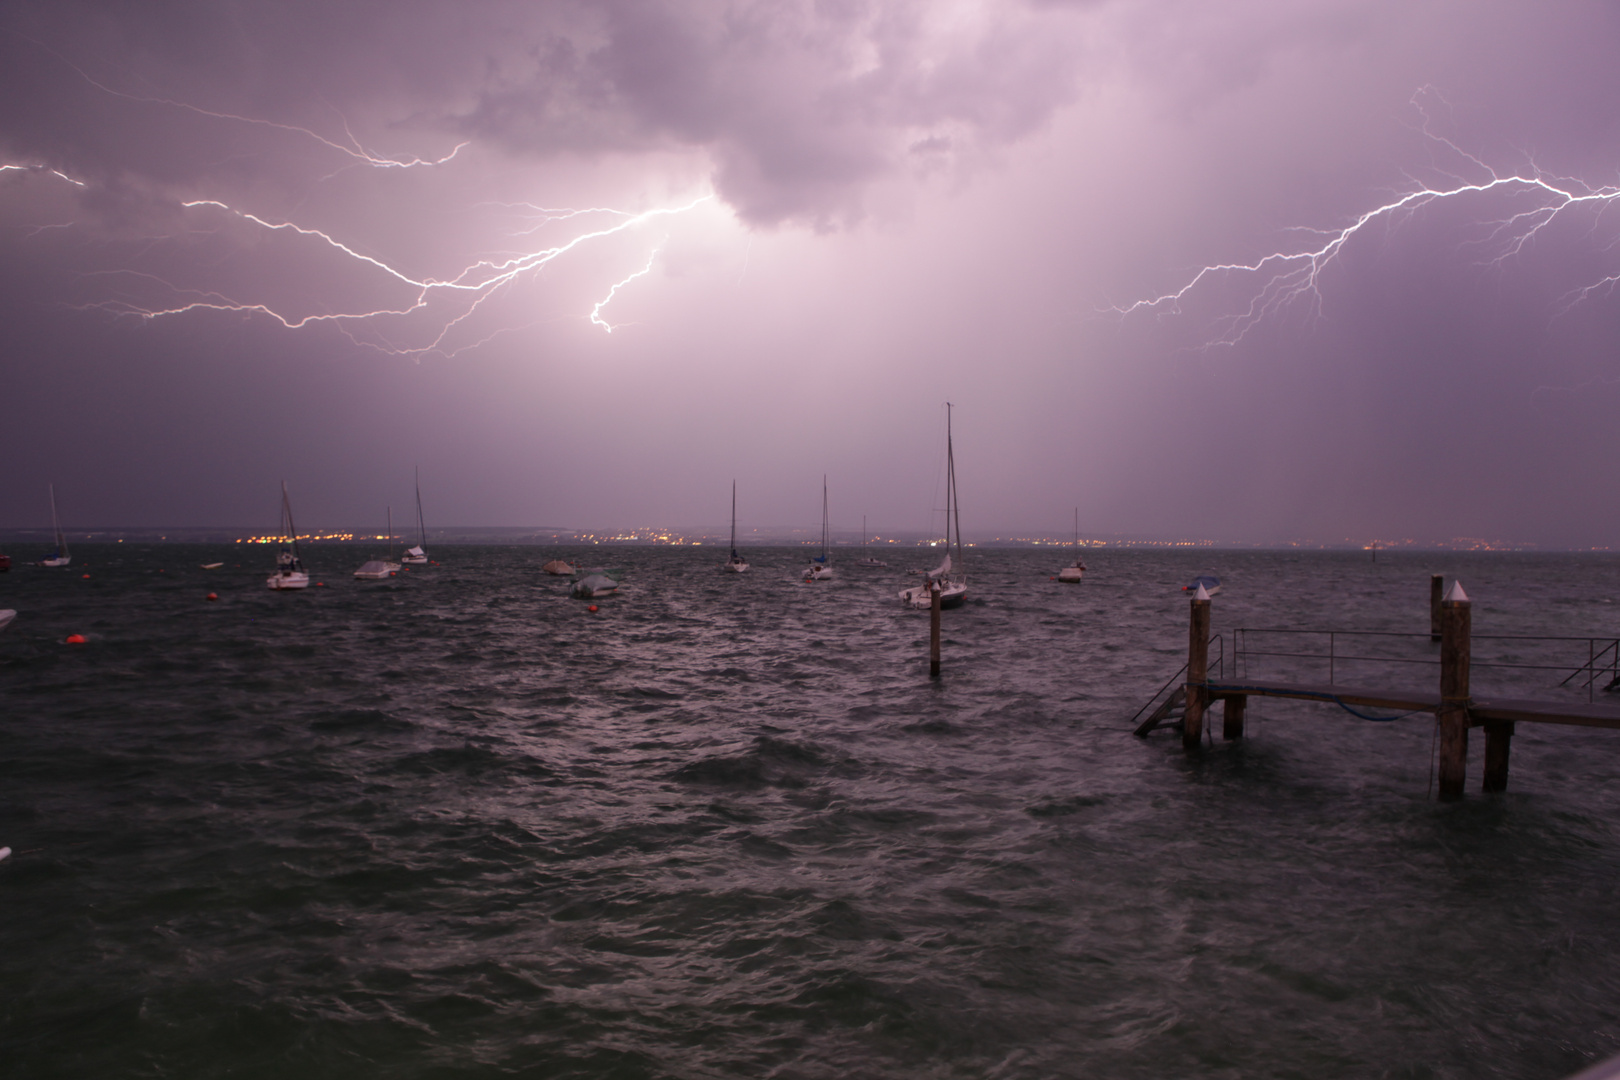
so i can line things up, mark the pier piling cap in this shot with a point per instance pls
(1455, 594)
(1201, 594)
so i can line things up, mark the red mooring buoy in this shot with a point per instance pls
(591, 608)
(75, 639)
(87, 575)
(213, 596)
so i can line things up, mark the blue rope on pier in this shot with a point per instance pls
(1221, 688)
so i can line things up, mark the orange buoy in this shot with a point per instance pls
(87, 575)
(213, 596)
(591, 608)
(74, 639)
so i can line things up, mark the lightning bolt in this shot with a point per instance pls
(596, 312)
(351, 147)
(43, 169)
(471, 285)
(447, 300)
(1285, 278)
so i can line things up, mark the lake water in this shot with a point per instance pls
(454, 824)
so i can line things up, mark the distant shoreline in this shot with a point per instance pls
(763, 538)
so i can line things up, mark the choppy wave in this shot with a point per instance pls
(456, 824)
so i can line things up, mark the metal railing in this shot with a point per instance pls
(1217, 669)
(1602, 654)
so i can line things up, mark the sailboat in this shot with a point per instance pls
(60, 556)
(1075, 572)
(376, 569)
(867, 560)
(950, 578)
(736, 564)
(820, 568)
(290, 572)
(417, 556)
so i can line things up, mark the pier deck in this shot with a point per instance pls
(1480, 710)
(1455, 709)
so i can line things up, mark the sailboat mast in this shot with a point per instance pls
(734, 519)
(954, 508)
(56, 525)
(826, 539)
(286, 512)
(390, 534)
(421, 529)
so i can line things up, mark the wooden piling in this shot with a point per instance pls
(1456, 631)
(933, 629)
(1232, 719)
(1498, 741)
(1437, 586)
(1192, 730)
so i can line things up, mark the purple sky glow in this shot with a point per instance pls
(586, 263)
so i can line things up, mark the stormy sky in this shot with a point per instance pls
(587, 263)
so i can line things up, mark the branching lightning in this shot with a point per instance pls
(473, 284)
(1285, 278)
(596, 312)
(435, 304)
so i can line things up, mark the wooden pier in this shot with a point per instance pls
(1454, 708)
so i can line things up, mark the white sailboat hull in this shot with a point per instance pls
(819, 573)
(60, 561)
(297, 579)
(953, 595)
(1071, 574)
(735, 566)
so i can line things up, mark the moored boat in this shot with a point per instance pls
(950, 578)
(377, 569)
(60, 556)
(736, 564)
(866, 559)
(595, 583)
(290, 572)
(820, 568)
(417, 555)
(1075, 572)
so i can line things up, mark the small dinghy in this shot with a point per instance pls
(557, 568)
(1210, 582)
(6, 615)
(594, 584)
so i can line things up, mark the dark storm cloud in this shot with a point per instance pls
(798, 105)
